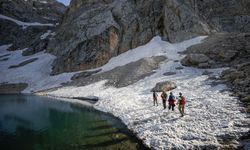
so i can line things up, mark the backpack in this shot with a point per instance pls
(183, 100)
(164, 96)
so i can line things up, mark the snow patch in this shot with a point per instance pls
(36, 74)
(24, 24)
(45, 35)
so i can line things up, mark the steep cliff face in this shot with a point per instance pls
(22, 22)
(93, 31)
(226, 15)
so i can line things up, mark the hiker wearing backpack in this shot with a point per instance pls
(171, 101)
(182, 102)
(164, 99)
(155, 98)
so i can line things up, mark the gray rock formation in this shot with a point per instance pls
(225, 15)
(122, 76)
(169, 73)
(164, 86)
(94, 31)
(220, 50)
(23, 63)
(196, 60)
(30, 11)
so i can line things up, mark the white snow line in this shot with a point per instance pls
(24, 24)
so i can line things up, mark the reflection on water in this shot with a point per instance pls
(32, 122)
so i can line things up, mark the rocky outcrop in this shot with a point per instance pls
(238, 77)
(12, 88)
(121, 76)
(200, 60)
(164, 86)
(23, 63)
(94, 31)
(225, 15)
(219, 50)
(28, 11)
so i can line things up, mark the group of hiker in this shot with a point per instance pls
(172, 101)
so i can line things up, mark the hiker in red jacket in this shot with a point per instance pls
(182, 102)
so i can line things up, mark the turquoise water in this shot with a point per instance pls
(41, 123)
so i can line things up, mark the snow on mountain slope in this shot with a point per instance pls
(24, 24)
(36, 74)
(212, 114)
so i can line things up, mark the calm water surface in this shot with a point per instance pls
(41, 123)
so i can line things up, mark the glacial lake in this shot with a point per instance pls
(39, 123)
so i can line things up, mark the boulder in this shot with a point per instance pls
(164, 86)
(206, 72)
(23, 63)
(12, 88)
(121, 76)
(85, 74)
(195, 60)
(169, 73)
(179, 68)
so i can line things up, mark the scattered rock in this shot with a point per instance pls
(169, 73)
(85, 74)
(179, 68)
(36, 46)
(207, 72)
(123, 75)
(204, 65)
(24, 63)
(195, 60)
(12, 88)
(92, 98)
(164, 86)
(4, 59)
(4, 55)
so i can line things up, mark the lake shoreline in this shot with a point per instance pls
(80, 102)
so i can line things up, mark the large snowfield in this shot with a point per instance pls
(211, 112)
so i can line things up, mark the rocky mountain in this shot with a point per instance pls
(22, 22)
(93, 31)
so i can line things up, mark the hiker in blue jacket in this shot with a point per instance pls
(171, 101)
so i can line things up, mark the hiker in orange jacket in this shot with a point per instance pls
(164, 99)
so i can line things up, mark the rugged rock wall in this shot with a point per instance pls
(226, 15)
(42, 11)
(93, 31)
